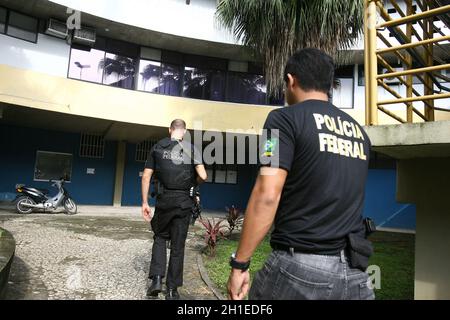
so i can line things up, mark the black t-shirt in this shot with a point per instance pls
(174, 163)
(326, 154)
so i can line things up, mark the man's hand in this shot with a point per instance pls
(146, 212)
(238, 284)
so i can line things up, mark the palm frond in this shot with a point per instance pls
(275, 29)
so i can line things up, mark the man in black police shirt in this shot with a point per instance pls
(177, 169)
(314, 194)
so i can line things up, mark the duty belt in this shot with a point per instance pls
(297, 250)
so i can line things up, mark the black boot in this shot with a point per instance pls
(172, 294)
(155, 287)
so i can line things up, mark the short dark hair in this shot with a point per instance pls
(178, 124)
(313, 68)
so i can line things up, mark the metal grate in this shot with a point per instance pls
(92, 146)
(142, 150)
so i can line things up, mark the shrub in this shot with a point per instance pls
(234, 218)
(213, 233)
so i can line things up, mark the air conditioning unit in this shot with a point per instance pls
(57, 29)
(84, 36)
(393, 80)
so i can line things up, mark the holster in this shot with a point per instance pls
(359, 251)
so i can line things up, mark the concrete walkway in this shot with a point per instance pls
(100, 253)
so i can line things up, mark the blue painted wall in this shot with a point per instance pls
(214, 196)
(218, 196)
(18, 146)
(381, 205)
(131, 192)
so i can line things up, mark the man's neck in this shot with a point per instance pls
(313, 95)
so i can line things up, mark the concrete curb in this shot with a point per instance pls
(7, 251)
(206, 279)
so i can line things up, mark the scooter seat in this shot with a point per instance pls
(44, 191)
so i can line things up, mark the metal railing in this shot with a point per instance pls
(417, 57)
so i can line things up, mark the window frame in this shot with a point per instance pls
(7, 24)
(52, 152)
(230, 73)
(6, 20)
(214, 168)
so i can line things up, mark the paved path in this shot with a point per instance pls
(101, 253)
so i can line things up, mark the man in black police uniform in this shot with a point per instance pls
(311, 185)
(177, 169)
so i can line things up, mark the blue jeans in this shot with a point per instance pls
(298, 276)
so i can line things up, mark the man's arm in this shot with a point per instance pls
(146, 177)
(261, 210)
(259, 217)
(201, 173)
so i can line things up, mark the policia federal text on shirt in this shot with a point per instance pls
(314, 196)
(176, 171)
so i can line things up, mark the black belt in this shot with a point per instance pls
(186, 191)
(281, 247)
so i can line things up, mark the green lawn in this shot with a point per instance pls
(394, 254)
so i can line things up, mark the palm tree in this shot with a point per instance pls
(123, 67)
(275, 29)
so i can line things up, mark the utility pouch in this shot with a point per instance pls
(359, 251)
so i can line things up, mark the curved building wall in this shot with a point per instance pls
(195, 20)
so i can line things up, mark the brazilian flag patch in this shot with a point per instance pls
(269, 147)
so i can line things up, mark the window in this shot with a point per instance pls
(3, 13)
(343, 93)
(22, 26)
(361, 80)
(86, 65)
(246, 88)
(92, 146)
(118, 71)
(159, 77)
(204, 84)
(143, 149)
(53, 166)
(149, 76)
(170, 80)
(222, 174)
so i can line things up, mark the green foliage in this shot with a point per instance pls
(394, 254)
(275, 29)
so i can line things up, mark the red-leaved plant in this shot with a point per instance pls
(234, 218)
(213, 233)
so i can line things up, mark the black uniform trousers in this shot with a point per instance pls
(170, 222)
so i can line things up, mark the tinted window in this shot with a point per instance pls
(204, 84)
(118, 71)
(149, 76)
(2, 20)
(53, 166)
(246, 88)
(170, 80)
(22, 26)
(86, 65)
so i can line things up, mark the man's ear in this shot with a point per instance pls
(291, 81)
(170, 130)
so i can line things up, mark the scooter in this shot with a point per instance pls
(29, 199)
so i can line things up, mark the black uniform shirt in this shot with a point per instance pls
(326, 154)
(195, 155)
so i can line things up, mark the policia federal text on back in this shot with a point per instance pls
(177, 171)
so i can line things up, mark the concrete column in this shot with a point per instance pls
(426, 182)
(120, 170)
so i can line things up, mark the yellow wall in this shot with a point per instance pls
(46, 92)
(425, 182)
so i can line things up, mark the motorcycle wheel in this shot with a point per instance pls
(20, 205)
(70, 206)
